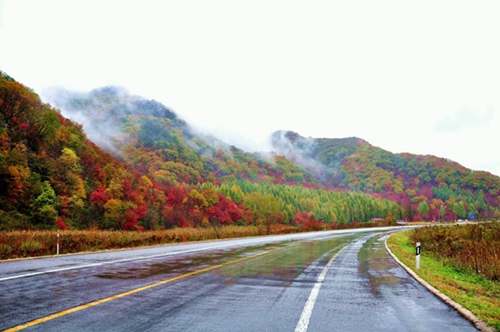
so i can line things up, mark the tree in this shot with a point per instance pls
(222, 213)
(459, 210)
(390, 219)
(265, 208)
(423, 209)
(214, 208)
(44, 206)
(99, 196)
(409, 212)
(442, 211)
(116, 211)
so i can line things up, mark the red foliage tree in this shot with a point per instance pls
(99, 197)
(133, 216)
(61, 224)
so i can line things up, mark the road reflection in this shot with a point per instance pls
(287, 264)
(376, 264)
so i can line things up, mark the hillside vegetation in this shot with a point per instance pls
(133, 164)
(150, 171)
(426, 187)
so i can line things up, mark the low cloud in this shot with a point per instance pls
(300, 150)
(90, 110)
(97, 111)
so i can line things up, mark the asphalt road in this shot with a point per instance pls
(324, 281)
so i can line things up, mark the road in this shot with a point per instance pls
(322, 281)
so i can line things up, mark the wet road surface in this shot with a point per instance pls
(325, 281)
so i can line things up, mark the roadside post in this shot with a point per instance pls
(418, 255)
(57, 253)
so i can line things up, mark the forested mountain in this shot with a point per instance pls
(151, 172)
(155, 141)
(426, 186)
(131, 163)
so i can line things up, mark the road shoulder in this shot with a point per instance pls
(481, 325)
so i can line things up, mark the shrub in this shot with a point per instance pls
(30, 247)
(5, 250)
(473, 248)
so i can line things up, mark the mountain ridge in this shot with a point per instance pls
(166, 173)
(352, 163)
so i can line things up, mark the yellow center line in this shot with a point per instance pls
(130, 292)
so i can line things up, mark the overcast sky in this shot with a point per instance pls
(408, 76)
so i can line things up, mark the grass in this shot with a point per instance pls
(472, 247)
(472, 290)
(17, 244)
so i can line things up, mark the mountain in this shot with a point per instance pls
(155, 141)
(425, 186)
(435, 187)
(48, 168)
(127, 162)
(151, 170)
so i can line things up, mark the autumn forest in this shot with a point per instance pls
(125, 162)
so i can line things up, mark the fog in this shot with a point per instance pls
(409, 77)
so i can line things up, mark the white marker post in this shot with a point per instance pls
(418, 255)
(57, 253)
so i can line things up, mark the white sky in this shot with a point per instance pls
(408, 76)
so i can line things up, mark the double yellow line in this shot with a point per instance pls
(130, 292)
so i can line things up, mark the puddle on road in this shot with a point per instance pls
(180, 265)
(283, 265)
(287, 264)
(376, 263)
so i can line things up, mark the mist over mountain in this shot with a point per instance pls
(97, 110)
(127, 125)
(332, 163)
(150, 169)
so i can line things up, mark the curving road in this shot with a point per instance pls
(323, 281)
